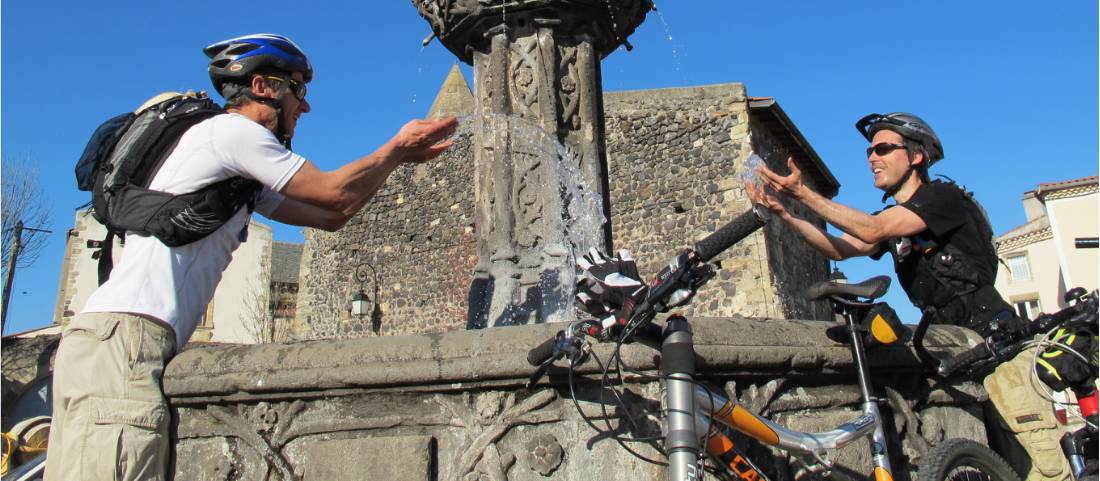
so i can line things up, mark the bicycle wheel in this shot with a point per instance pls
(964, 460)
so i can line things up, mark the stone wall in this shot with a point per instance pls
(793, 264)
(417, 235)
(676, 158)
(673, 160)
(454, 406)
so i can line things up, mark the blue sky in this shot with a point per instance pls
(1011, 86)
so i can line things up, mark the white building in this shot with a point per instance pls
(1041, 260)
(240, 303)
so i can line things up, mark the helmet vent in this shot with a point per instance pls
(243, 48)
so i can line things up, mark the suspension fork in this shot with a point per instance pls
(879, 454)
(677, 369)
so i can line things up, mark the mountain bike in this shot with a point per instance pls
(1058, 334)
(691, 409)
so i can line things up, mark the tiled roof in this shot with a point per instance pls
(1066, 184)
(1033, 226)
(1067, 188)
(1006, 243)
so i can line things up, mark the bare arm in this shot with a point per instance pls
(858, 225)
(833, 247)
(347, 189)
(295, 212)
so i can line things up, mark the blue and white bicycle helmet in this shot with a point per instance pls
(236, 59)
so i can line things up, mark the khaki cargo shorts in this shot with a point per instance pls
(110, 419)
(1029, 416)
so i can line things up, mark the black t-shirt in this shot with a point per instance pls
(956, 228)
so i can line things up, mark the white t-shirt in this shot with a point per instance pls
(175, 284)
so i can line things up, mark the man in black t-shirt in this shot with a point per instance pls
(941, 243)
(939, 237)
(949, 268)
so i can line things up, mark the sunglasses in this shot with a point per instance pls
(883, 148)
(297, 88)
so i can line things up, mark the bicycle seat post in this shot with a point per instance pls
(677, 370)
(880, 459)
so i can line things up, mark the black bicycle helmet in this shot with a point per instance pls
(906, 125)
(236, 59)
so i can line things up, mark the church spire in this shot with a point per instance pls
(454, 96)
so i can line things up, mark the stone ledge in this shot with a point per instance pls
(499, 356)
(613, 100)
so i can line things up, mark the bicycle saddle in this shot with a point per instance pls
(869, 289)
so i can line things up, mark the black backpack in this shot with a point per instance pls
(121, 159)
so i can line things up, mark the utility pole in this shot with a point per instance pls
(9, 277)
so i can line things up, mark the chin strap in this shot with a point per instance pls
(897, 186)
(277, 104)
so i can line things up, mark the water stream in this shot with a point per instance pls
(581, 204)
(672, 44)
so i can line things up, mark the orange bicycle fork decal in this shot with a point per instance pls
(742, 420)
(721, 448)
(882, 474)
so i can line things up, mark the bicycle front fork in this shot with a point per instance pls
(677, 369)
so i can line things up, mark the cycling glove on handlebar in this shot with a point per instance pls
(609, 286)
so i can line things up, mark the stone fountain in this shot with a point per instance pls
(537, 61)
(455, 405)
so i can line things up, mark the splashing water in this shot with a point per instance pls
(748, 173)
(582, 206)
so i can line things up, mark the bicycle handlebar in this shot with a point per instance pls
(541, 353)
(704, 250)
(971, 356)
(1004, 343)
(731, 233)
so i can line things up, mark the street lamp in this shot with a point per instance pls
(361, 303)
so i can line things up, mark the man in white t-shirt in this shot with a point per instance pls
(110, 418)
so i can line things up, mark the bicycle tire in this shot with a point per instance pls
(964, 460)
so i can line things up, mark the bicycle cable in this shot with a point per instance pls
(1041, 345)
(610, 431)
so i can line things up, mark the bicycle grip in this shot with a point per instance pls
(975, 354)
(731, 233)
(539, 354)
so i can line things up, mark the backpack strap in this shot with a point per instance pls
(105, 257)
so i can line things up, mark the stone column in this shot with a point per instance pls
(537, 83)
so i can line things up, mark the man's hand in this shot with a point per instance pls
(423, 140)
(761, 195)
(789, 186)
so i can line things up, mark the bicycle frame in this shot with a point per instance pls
(690, 407)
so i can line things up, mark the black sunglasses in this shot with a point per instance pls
(883, 148)
(297, 88)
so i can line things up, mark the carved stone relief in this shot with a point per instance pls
(568, 97)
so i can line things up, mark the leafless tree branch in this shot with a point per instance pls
(23, 200)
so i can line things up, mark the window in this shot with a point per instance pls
(1017, 265)
(1028, 309)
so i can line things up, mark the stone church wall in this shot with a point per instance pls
(417, 235)
(673, 159)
